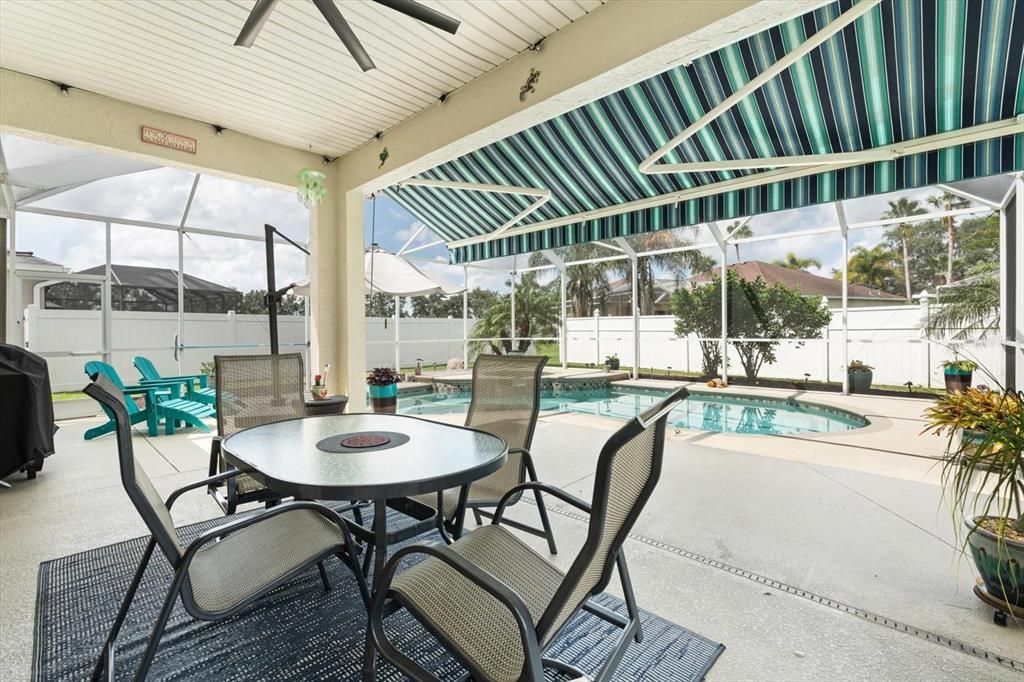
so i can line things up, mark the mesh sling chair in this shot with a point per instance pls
(228, 567)
(497, 604)
(252, 390)
(505, 401)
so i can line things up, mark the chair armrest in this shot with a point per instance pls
(166, 381)
(144, 389)
(223, 476)
(543, 487)
(532, 665)
(238, 524)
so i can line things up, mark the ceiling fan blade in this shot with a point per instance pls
(423, 13)
(344, 31)
(257, 17)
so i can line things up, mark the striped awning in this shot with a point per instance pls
(902, 71)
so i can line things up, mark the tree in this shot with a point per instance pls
(736, 232)
(380, 305)
(874, 267)
(947, 201)
(677, 263)
(698, 311)
(537, 314)
(586, 285)
(756, 310)
(904, 208)
(254, 303)
(970, 308)
(770, 311)
(793, 262)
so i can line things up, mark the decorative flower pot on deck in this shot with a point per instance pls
(860, 381)
(384, 398)
(1000, 562)
(957, 381)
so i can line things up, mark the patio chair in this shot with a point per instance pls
(252, 390)
(228, 567)
(505, 401)
(496, 604)
(162, 401)
(202, 394)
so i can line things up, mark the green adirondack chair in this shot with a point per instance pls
(202, 394)
(163, 401)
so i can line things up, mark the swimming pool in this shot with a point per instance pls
(702, 411)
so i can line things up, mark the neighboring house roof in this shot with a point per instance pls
(805, 282)
(156, 278)
(29, 261)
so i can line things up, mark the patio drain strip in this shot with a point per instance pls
(879, 619)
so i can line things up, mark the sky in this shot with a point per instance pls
(160, 194)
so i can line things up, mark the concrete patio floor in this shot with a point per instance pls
(827, 557)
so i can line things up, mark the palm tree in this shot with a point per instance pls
(794, 262)
(736, 232)
(947, 201)
(874, 267)
(537, 314)
(677, 264)
(904, 208)
(969, 308)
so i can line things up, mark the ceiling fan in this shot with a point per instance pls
(261, 12)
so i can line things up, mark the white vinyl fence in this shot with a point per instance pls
(70, 338)
(888, 338)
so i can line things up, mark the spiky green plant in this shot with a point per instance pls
(969, 308)
(984, 473)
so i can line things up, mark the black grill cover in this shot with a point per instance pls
(26, 411)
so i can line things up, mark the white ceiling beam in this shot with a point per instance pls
(970, 197)
(648, 166)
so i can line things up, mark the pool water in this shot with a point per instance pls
(701, 411)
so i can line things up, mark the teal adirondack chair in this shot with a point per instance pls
(163, 401)
(203, 394)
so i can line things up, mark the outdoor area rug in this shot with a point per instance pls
(297, 632)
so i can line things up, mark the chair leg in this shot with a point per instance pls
(161, 623)
(323, 576)
(477, 517)
(544, 521)
(107, 655)
(630, 598)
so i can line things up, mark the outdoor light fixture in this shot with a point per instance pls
(312, 187)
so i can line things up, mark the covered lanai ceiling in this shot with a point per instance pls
(297, 85)
(906, 94)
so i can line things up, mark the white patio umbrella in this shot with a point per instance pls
(393, 275)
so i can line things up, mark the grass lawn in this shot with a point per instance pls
(67, 395)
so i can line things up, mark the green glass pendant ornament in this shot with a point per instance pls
(312, 187)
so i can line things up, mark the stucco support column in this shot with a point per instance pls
(337, 324)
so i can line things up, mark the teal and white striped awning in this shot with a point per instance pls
(902, 72)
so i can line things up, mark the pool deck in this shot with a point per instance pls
(825, 556)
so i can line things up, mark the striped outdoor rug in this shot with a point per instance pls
(298, 632)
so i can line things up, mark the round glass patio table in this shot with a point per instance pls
(314, 458)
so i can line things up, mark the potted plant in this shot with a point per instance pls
(860, 375)
(319, 387)
(383, 383)
(958, 374)
(983, 475)
(209, 368)
(611, 362)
